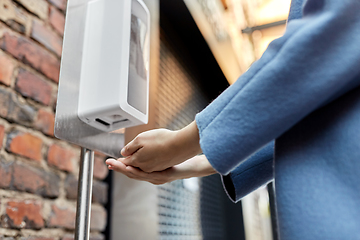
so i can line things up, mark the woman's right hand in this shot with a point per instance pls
(159, 149)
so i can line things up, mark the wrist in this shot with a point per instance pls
(197, 166)
(205, 165)
(188, 140)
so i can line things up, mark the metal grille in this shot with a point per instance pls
(179, 95)
(212, 208)
(184, 213)
(178, 212)
(179, 99)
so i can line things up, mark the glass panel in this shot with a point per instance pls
(138, 64)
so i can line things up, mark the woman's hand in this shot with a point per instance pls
(197, 166)
(157, 150)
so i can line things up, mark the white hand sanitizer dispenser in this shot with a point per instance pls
(114, 79)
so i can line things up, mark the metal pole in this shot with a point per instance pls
(83, 208)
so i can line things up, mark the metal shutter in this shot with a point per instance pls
(185, 214)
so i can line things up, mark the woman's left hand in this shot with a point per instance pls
(197, 166)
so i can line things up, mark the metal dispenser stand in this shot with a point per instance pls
(83, 205)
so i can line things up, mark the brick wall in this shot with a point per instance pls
(38, 173)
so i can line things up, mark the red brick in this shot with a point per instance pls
(62, 217)
(15, 110)
(100, 192)
(45, 122)
(61, 157)
(20, 112)
(61, 4)
(68, 237)
(37, 7)
(57, 20)
(33, 180)
(71, 186)
(4, 102)
(6, 238)
(33, 86)
(5, 173)
(98, 218)
(25, 144)
(24, 214)
(100, 169)
(13, 16)
(46, 37)
(6, 69)
(37, 238)
(32, 54)
(2, 134)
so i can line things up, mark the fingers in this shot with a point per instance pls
(131, 148)
(137, 174)
(154, 150)
(130, 160)
(116, 165)
(133, 160)
(119, 166)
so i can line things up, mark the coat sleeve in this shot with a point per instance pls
(316, 61)
(251, 174)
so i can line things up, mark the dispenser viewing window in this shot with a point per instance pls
(138, 65)
(114, 82)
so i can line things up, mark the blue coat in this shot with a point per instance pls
(304, 92)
